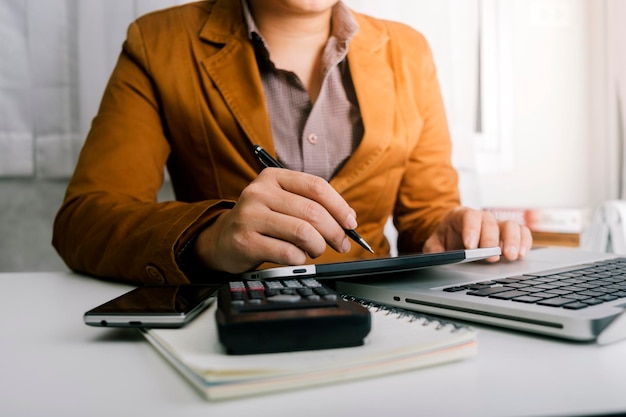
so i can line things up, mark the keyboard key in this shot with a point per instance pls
(477, 286)
(547, 286)
(507, 295)
(518, 285)
(572, 288)
(527, 299)
(455, 289)
(533, 289)
(576, 305)
(547, 279)
(554, 302)
(593, 301)
(591, 293)
(575, 296)
(484, 292)
(506, 280)
(559, 291)
(543, 295)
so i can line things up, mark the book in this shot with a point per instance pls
(399, 340)
(553, 220)
(556, 239)
(548, 226)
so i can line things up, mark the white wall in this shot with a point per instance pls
(545, 139)
(549, 74)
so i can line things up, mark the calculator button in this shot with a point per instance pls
(255, 295)
(274, 285)
(305, 292)
(255, 286)
(310, 282)
(284, 298)
(322, 291)
(236, 286)
(237, 295)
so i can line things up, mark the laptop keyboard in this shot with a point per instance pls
(572, 288)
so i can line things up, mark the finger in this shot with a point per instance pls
(433, 244)
(301, 221)
(264, 237)
(307, 219)
(511, 239)
(298, 232)
(459, 229)
(235, 245)
(319, 190)
(526, 241)
(489, 233)
(470, 227)
(261, 248)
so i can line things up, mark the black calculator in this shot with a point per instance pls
(287, 315)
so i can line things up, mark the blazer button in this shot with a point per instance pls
(154, 273)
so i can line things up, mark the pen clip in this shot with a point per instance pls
(265, 158)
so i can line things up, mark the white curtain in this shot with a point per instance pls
(55, 58)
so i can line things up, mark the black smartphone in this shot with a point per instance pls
(158, 306)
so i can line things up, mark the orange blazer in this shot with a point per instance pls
(186, 93)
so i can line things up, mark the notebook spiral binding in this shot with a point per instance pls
(412, 316)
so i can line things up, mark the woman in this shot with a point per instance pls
(350, 104)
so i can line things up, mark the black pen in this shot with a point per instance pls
(268, 161)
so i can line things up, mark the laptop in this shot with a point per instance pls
(374, 266)
(562, 292)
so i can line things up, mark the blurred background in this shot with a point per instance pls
(533, 90)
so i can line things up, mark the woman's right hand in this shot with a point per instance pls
(280, 217)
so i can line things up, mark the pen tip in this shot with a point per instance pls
(367, 246)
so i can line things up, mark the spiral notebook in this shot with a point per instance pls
(398, 341)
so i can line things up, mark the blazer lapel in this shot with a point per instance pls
(234, 71)
(374, 85)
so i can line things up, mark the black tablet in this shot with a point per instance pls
(374, 266)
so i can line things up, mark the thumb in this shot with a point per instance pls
(433, 244)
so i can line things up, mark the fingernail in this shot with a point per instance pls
(511, 250)
(345, 245)
(351, 221)
(471, 242)
(522, 252)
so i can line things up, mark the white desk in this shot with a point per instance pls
(51, 364)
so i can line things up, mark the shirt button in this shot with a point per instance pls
(312, 138)
(154, 273)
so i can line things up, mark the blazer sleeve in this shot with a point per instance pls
(111, 224)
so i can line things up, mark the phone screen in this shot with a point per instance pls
(153, 306)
